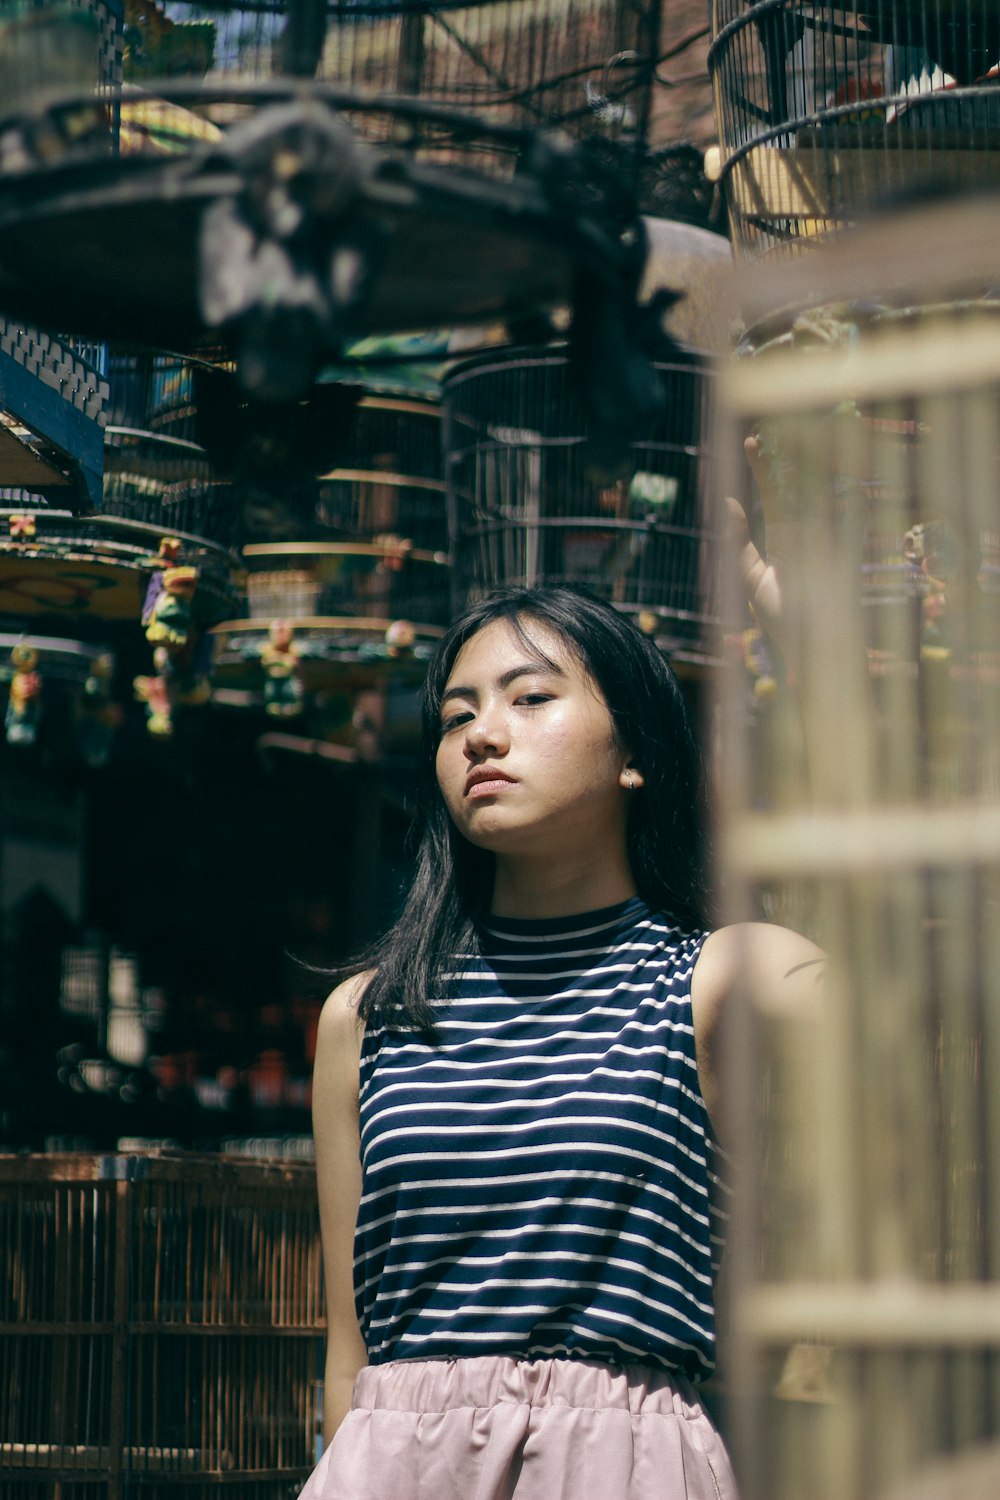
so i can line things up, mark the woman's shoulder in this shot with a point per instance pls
(339, 1021)
(776, 966)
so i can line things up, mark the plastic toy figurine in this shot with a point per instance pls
(23, 701)
(168, 620)
(280, 660)
(400, 638)
(154, 692)
(22, 526)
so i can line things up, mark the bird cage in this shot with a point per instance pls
(576, 65)
(389, 480)
(212, 96)
(825, 110)
(859, 797)
(162, 1326)
(380, 581)
(527, 505)
(156, 471)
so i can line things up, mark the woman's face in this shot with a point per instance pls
(528, 762)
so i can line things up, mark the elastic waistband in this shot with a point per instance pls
(432, 1385)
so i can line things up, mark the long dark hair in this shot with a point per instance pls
(453, 881)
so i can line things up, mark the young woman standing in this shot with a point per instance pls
(516, 1102)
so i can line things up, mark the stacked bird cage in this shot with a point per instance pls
(860, 803)
(161, 1322)
(529, 505)
(825, 110)
(156, 471)
(365, 587)
(533, 63)
(388, 481)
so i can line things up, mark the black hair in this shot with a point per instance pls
(453, 880)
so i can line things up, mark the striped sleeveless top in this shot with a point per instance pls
(542, 1180)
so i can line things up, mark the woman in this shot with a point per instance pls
(514, 1102)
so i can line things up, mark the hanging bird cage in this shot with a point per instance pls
(379, 581)
(341, 618)
(390, 477)
(859, 803)
(122, 211)
(162, 1324)
(537, 63)
(527, 507)
(156, 471)
(825, 111)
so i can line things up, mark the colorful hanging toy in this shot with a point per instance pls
(180, 657)
(23, 701)
(280, 660)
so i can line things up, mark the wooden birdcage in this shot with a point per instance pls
(827, 110)
(161, 1327)
(156, 469)
(527, 506)
(859, 799)
(390, 477)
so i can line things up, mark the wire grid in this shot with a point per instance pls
(582, 66)
(390, 478)
(155, 470)
(826, 111)
(521, 62)
(860, 804)
(161, 1324)
(526, 508)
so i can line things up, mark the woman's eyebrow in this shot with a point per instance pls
(524, 669)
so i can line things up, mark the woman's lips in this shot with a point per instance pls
(487, 785)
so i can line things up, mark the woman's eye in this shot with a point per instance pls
(532, 700)
(454, 720)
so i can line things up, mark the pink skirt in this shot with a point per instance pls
(495, 1428)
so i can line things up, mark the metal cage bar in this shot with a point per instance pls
(826, 111)
(526, 507)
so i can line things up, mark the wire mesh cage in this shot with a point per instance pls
(156, 470)
(389, 480)
(258, 196)
(861, 805)
(581, 66)
(526, 506)
(521, 62)
(825, 111)
(161, 1324)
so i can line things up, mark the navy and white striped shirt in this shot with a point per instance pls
(541, 1180)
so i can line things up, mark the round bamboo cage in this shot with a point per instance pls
(826, 111)
(389, 478)
(859, 796)
(162, 1322)
(526, 507)
(156, 470)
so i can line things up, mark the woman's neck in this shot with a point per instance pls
(529, 888)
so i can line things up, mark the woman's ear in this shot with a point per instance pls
(631, 778)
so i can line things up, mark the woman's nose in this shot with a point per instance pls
(487, 733)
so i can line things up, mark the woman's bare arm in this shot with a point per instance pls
(775, 968)
(338, 1179)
